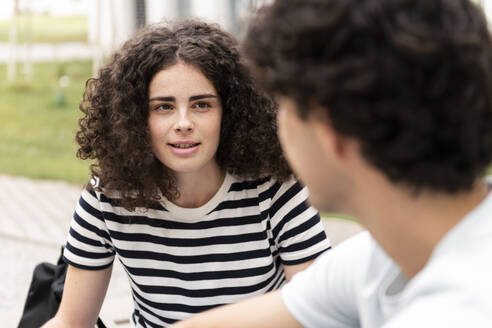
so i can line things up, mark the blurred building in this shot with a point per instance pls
(110, 22)
(113, 21)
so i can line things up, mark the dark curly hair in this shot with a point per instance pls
(114, 127)
(410, 80)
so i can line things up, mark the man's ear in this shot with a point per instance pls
(333, 143)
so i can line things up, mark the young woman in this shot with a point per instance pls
(190, 190)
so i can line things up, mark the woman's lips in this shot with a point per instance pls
(182, 149)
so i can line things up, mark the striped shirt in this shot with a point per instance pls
(182, 261)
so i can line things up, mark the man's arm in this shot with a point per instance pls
(323, 295)
(265, 311)
(83, 295)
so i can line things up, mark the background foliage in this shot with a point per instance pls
(38, 123)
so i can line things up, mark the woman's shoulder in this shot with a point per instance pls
(108, 200)
(242, 183)
(96, 188)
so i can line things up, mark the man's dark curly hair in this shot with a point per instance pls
(410, 80)
(114, 131)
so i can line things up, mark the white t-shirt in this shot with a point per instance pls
(358, 285)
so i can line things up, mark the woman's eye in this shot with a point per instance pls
(201, 105)
(164, 107)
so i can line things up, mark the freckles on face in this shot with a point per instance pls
(185, 115)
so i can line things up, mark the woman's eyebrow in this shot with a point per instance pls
(163, 99)
(192, 98)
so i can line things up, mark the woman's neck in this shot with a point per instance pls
(197, 188)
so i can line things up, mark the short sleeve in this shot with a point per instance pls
(296, 225)
(326, 293)
(88, 243)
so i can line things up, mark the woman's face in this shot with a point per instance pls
(184, 119)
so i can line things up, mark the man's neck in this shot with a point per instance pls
(409, 227)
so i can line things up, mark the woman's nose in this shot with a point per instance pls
(184, 124)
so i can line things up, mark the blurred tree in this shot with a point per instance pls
(14, 42)
(97, 56)
(13, 35)
(28, 72)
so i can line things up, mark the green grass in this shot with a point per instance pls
(36, 133)
(47, 29)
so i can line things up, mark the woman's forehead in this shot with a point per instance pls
(180, 78)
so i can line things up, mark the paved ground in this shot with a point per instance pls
(34, 220)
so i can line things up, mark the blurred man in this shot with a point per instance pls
(386, 114)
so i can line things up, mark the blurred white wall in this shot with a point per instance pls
(110, 22)
(6, 9)
(118, 16)
(216, 11)
(156, 10)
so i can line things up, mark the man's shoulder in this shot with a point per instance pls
(468, 268)
(456, 285)
(445, 302)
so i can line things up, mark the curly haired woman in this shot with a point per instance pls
(189, 190)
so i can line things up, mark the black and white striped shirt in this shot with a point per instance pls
(182, 261)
